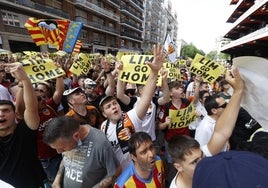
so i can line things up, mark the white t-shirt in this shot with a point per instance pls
(4, 94)
(148, 122)
(111, 134)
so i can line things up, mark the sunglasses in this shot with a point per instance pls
(40, 90)
(222, 106)
(90, 86)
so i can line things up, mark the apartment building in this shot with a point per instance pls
(248, 35)
(154, 24)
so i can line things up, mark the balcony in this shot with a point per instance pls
(130, 36)
(97, 26)
(131, 25)
(94, 8)
(115, 3)
(137, 4)
(17, 30)
(98, 42)
(50, 10)
(40, 7)
(134, 14)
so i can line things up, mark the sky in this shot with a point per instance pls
(201, 21)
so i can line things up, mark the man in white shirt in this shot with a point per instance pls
(214, 105)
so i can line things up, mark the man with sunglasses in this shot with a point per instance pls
(214, 106)
(80, 110)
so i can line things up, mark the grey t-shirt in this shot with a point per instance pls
(89, 163)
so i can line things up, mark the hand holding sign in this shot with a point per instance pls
(234, 79)
(17, 71)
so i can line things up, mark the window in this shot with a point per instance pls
(84, 34)
(111, 25)
(97, 20)
(10, 19)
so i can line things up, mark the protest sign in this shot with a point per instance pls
(122, 53)
(173, 71)
(208, 69)
(82, 65)
(39, 70)
(135, 70)
(182, 118)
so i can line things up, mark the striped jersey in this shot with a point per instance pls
(130, 178)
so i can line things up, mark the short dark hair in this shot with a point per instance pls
(60, 127)
(136, 140)
(8, 102)
(181, 145)
(202, 93)
(105, 100)
(211, 102)
(175, 84)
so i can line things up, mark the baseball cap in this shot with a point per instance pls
(106, 98)
(72, 90)
(89, 81)
(233, 169)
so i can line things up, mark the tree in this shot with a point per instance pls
(190, 51)
(215, 56)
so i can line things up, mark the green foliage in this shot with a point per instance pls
(190, 51)
(213, 55)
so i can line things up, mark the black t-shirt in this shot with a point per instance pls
(19, 164)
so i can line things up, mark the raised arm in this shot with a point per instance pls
(30, 115)
(149, 88)
(197, 81)
(106, 65)
(121, 86)
(165, 90)
(226, 122)
(57, 96)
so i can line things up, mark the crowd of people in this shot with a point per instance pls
(93, 131)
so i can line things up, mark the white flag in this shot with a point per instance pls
(253, 70)
(171, 49)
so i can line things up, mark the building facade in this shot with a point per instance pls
(248, 35)
(109, 26)
(153, 24)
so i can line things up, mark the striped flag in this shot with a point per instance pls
(47, 31)
(77, 46)
(32, 26)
